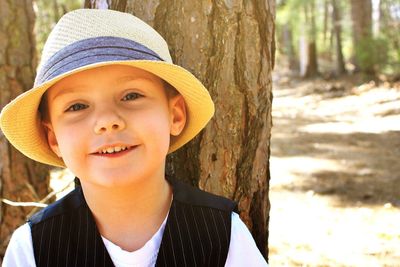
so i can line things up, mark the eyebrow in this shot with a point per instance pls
(129, 78)
(133, 78)
(66, 91)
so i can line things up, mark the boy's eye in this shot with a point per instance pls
(131, 96)
(76, 107)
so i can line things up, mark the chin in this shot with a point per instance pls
(113, 179)
(118, 180)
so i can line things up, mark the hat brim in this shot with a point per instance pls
(21, 124)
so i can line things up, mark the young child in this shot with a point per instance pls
(109, 104)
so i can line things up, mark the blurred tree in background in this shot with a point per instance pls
(363, 43)
(337, 32)
(335, 36)
(311, 63)
(387, 29)
(48, 12)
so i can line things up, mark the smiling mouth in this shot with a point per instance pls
(115, 151)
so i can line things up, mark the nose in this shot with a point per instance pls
(109, 121)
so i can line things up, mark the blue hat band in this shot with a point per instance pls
(93, 50)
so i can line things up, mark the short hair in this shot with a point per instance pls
(43, 108)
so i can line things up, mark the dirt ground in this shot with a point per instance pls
(335, 173)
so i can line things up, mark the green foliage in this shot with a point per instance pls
(372, 54)
(379, 53)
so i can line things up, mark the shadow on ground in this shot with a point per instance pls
(365, 166)
(335, 174)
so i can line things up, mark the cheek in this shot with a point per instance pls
(70, 140)
(156, 126)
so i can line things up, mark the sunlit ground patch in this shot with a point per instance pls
(335, 177)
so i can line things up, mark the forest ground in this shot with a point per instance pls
(335, 173)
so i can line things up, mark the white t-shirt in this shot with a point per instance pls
(242, 249)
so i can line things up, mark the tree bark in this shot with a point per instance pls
(229, 46)
(340, 68)
(361, 14)
(21, 179)
(56, 12)
(287, 41)
(388, 27)
(326, 25)
(311, 68)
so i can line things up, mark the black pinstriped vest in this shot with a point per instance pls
(197, 231)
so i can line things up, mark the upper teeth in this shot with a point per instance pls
(113, 149)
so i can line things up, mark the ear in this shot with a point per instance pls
(51, 138)
(177, 114)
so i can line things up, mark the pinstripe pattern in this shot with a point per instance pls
(219, 239)
(59, 239)
(172, 245)
(180, 236)
(199, 237)
(74, 239)
(190, 238)
(51, 233)
(78, 238)
(87, 237)
(41, 241)
(195, 242)
(94, 246)
(224, 224)
(69, 241)
(197, 232)
(195, 223)
(208, 234)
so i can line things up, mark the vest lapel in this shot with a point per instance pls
(194, 235)
(70, 239)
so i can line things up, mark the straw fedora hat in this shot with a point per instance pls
(88, 38)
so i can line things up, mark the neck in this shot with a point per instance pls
(129, 216)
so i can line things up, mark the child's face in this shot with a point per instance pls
(113, 108)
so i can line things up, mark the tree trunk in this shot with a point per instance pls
(21, 179)
(312, 66)
(56, 12)
(288, 49)
(229, 46)
(311, 69)
(388, 27)
(361, 13)
(340, 68)
(326, 21)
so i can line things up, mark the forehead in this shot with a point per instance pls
(105, 76)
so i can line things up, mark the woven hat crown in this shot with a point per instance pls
(82, 24)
